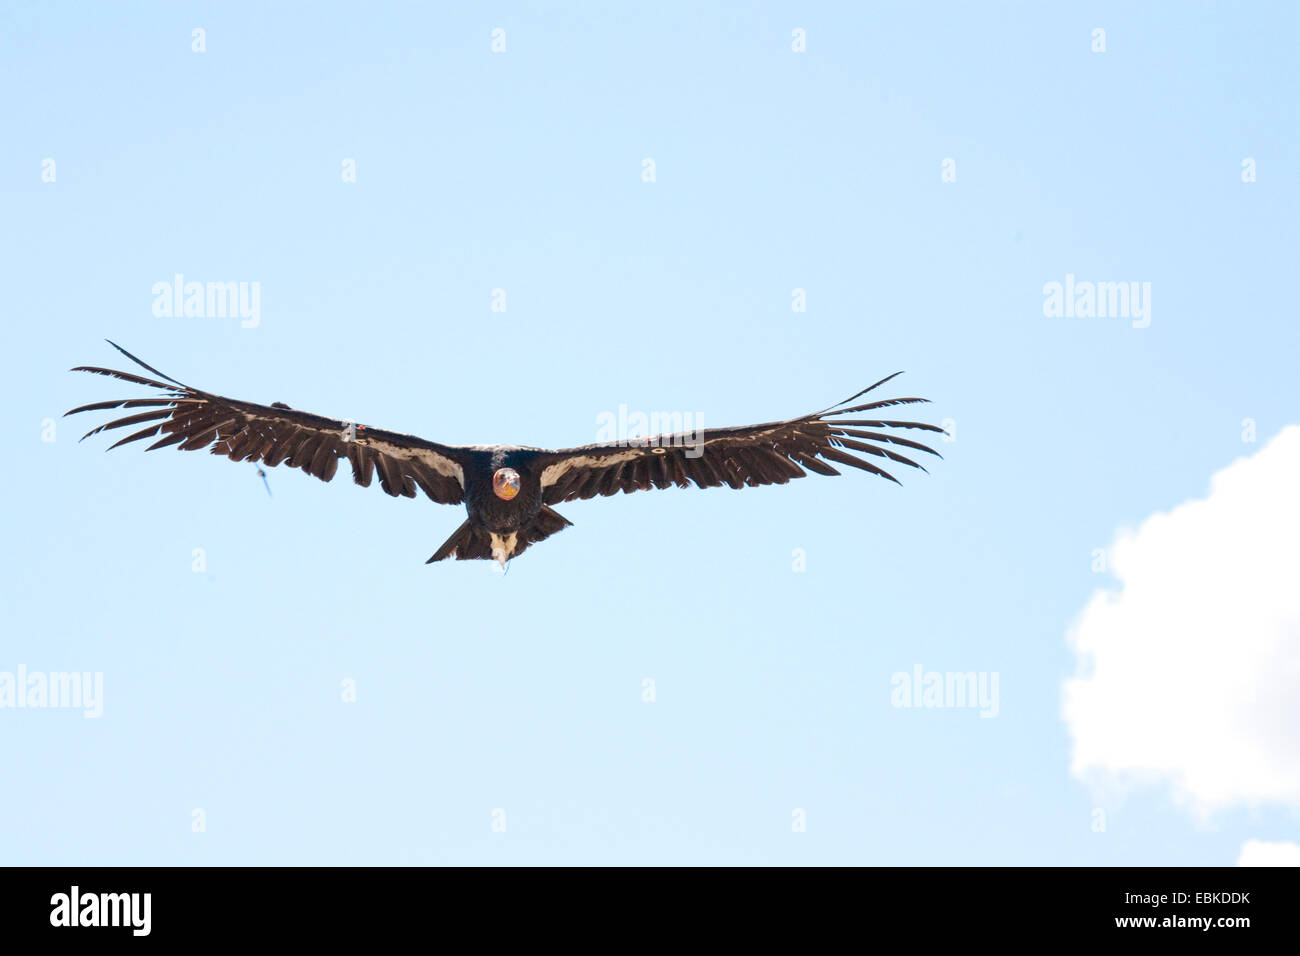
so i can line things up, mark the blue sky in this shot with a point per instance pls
(522, 170)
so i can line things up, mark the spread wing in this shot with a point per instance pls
(273, 434)
(767, 454)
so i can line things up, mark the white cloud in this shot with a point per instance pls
(1259, 853)
(1190, 671)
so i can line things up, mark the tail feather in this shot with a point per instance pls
(469, 543)
(460, 544)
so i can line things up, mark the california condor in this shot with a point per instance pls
(508, 490)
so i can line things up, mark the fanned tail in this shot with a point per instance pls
(469, 543)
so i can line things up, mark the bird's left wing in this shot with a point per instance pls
(275, 434)
(771, 453)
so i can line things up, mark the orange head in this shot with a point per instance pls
(505, 483)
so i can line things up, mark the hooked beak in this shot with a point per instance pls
(505, 483)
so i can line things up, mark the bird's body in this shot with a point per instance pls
(501, 525)
(486, 507)
(508, 490)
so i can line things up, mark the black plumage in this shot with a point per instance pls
(508, 489)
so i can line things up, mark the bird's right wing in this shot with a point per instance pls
(275, 434)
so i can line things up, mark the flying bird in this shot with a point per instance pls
(508, 490)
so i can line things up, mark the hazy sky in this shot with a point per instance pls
(689, 208)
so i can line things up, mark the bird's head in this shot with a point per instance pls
(505, 483)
